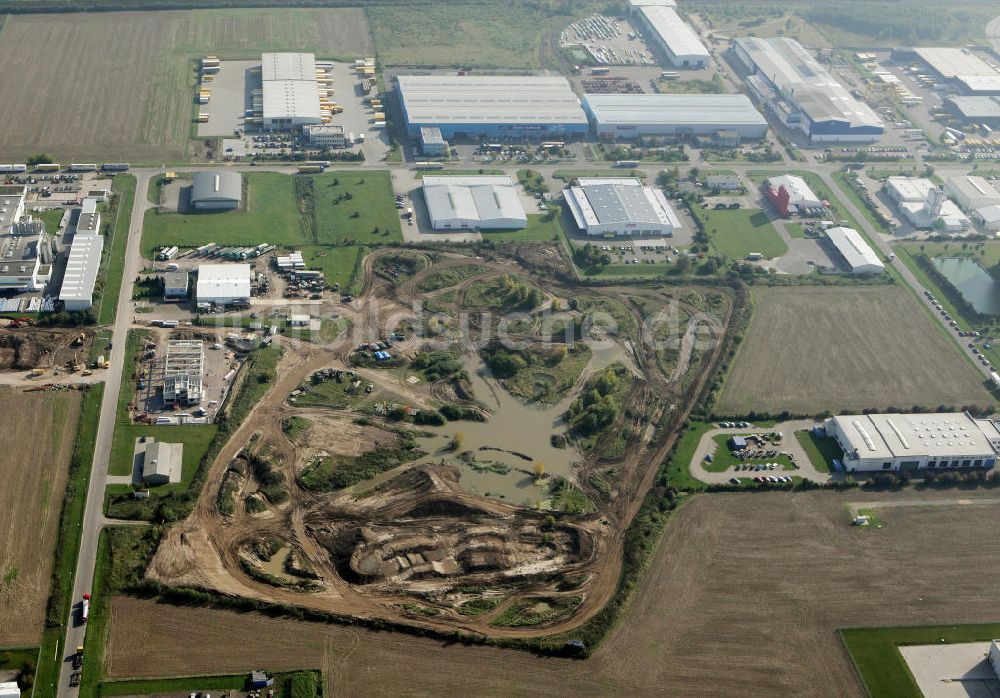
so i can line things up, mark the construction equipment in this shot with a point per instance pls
(36, 372)
(79, 339)
(74, 365)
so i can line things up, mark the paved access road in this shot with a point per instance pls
(93, 517)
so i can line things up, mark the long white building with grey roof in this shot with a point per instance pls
(613, 206)
(80, 277)
(473, 203)
(673, 115)
(803, 94)
(912, 442)
(673, 36)
(491, 105)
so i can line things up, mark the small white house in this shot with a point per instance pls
(9, 689)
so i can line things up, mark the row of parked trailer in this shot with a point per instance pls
(214, 250)
(74, 167)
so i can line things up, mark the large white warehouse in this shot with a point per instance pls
(633, 116)
(222, 284)
(674, 36)
(473, 203)
(972, 192)
(610, 206)
(289, 90)
(803, 94)
(491, 105)
(77, 290)
(858, 254)
(910, 442)
(924, 205)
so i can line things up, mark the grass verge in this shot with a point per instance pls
(115, 244)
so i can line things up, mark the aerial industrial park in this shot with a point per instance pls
(630, 349)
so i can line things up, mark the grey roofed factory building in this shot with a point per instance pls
(980, 109)
(909, 442)
(803, 94)
(674, 36)
(632, 116)
(491, 105)
(162, 463)
(609, 206)
(465, 203)
(216, 190)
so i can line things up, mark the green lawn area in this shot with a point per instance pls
(736, 234)
(723, 459)
(51, 219)
(986, 253)
(142, 687)
(882, 668)
(569, 175)
(355, 219)
(541, 228)
(796, 230)
(820, 449)
(678, 467)
(271, 215)
(115, 244)
(462, 35)
(340, 264)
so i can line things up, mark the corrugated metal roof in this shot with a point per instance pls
(952, 62)
(81, 268)
(853, 247)
(214, 185)
(483, 199)
(674, 32)
(474, 99)
(223, 281)
(801, 79)
(289, 87)
(667, 109)
(618, 202)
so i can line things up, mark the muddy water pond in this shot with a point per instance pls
(506, 447)
(972, 281)
(276, 565)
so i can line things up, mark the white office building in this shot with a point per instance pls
(473, 203)
(911, 442)
(610, 206)
(924, 205)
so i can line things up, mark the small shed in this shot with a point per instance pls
(737, 443)
(9, 689)
(258, 679)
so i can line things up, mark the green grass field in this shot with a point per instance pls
(461, 35)
(736, 234)
(875, 652)
(369, 209)
(723, 458)
(115, 244)
(539, 230)
(678, 466)
(820, 449)
(270, 215)
(340, 264)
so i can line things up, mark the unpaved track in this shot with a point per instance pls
(204, 550)
(743, 597)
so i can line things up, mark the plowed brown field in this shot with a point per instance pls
(743, 597)
(36, 442)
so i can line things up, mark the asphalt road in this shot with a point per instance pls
(93, 517)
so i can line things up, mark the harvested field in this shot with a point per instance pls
(815, 349)
(33, 471)
(143, 113)
(716, 587)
